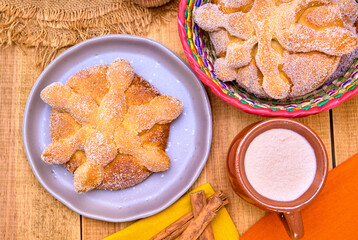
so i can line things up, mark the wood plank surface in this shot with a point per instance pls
(40, 215)
(345, 128)
(28, 211)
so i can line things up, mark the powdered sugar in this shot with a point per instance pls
(239, 54)
(297, 25)
(307, 71)
(220, 40)
(343, 66)
(237, 3)
(224, 71)
(100, 128)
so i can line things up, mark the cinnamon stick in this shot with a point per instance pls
(198, 201)
(174, 229)
(197, 225)
(215, 202)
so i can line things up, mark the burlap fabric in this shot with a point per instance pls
(53, 25)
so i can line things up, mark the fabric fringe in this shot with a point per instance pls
(51, 31)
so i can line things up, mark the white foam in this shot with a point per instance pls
(280, 164)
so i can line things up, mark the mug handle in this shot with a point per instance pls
(292, 221)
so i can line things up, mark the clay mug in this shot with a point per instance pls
(289, 212)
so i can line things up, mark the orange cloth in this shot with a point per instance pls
(332, 215)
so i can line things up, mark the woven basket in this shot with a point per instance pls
(201, 55)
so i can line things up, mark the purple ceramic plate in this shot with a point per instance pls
(189, 141)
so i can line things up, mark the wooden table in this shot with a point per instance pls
(28, 211)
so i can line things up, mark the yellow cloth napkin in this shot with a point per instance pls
(222, 225)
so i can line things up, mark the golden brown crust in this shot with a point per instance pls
(124, 171)
(77, 159)
(133, 118)
(156, 136)
(62, 125)
(140, 92)
(95, 85)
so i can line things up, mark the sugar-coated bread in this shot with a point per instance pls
(109, 127)
(280, 48)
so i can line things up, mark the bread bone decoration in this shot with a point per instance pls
(279, 48)
(109, 127)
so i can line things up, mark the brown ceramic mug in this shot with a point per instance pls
(289, 212)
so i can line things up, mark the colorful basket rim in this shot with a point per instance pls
(236, 102)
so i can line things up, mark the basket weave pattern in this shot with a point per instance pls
(201, 55)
